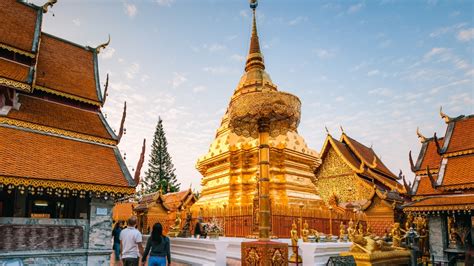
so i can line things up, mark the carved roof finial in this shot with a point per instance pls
(420, 136)
(412, 165)
(122, 123)
(342, 129)
(105, 90)
(327, 130)
(432, 180)
(48, 4)
(446, 118)
(102, 46)
(140, 164)
(439, 150)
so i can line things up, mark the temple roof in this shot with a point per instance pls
(14, 71)
(33, 155)
(170, 201)
(56, 115)
(442, 203)
(67, 68)
(362, 160)
(429, 156)
(20, 26)
(450, 159)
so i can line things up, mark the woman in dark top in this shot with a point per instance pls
(158, 246)
(116, 235)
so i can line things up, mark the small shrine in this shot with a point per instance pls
(443, 191)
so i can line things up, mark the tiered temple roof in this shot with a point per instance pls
(53, 134)
(444, 169)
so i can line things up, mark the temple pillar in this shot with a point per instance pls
(19, 203)
(100, 232)
(438, 237)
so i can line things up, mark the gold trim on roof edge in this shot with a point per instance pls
(15, 84)
(67, 95)
(18, 123)
(456, 207)
(18, 51)
(34, 182)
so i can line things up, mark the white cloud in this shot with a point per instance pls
(165, 2)
(297, 20)
(355, 8)
(132, 71)
(382, 92)
(443, 30)
(435, 51)
(76, 22)
(215, 47)
(107, 53)
(452, 84)
(373, 72)
(339, 99)
(466, 35)
(178, 79)
(199, 89)
(130, 9)
(237, 57)
(244, 13)
(218, 70)
(323, 53)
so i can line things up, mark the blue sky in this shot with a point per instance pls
(378, 68)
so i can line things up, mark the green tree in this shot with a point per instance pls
(160, 173)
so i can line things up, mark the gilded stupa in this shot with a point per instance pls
(230, 168)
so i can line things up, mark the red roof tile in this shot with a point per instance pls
(66, 68)
(459, 170)
(425, 188)
(431, 157)
(175, 200)
(463, 135)
(17, 24)
(13, 71)
(368, 155)
(37, 156)
(47, 113)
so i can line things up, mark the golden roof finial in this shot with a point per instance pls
(327, 130)
(255, 57)
(342, 129)
(420, 136)
(102, 46)
(48, 4)
(446, 118)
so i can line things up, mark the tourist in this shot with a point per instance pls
(158, 246)
(116, 235)
(131, 248)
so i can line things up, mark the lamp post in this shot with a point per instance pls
(330, 220)
(225, 213)
(301, 205)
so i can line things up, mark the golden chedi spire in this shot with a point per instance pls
(255, 77)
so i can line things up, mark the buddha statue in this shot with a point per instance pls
(294, 243)
(305, 232)
(396, 233)
(342, 232)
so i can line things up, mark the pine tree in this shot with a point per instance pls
(160, 173)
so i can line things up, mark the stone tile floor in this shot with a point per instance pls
(230, 262)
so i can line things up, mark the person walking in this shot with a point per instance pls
(131, 243)
(158, 246)
(116, 235)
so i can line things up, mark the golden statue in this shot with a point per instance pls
(176, 228)
(396, 235)
(342, 232)
(452, 233)
(368, 230)
(351, 231)
(360, 230)
(305, 232)
(294, 243)
(409, 221)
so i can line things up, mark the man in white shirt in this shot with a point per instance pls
(131, 243)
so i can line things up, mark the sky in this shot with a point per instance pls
(379, 69)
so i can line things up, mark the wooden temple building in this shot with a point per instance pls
(60, 167)
(443, 189)
(163, 208)
(352, 177)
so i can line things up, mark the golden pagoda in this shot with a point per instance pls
(230, 168)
